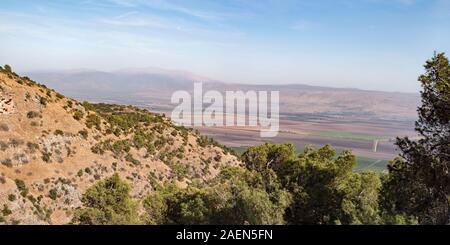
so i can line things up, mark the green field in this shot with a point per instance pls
(240, 149)
(350, 135)
(370, 164)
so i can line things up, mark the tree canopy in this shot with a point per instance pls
(107, 202)
(420, 180)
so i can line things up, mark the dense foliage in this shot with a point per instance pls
(275, 187)
(108, 202)
(419, 182)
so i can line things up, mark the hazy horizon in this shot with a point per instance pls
(201, 78)
(367, 44)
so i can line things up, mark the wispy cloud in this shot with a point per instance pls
(174, 7)
(302, 25)
(402, 2)
(254, 40)
(125, 3)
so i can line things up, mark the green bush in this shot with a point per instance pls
(129, 158)
(121, 146)
(236, 196)
(59, 96)
(83, 133)
(59, 132)
(22, 187)
(93, 120)
(88, 170)
(174, 133)
(33, 114)
(43, 101)
(46, 156)
(12, 197)
(32, 147)
(7, 162)
(107, 202)
(6, 211)
(7, 68)
(78, 115)
(53, 194)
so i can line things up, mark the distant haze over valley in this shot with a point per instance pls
(153, 87)
(366, 122)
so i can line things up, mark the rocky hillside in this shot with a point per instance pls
(52, 148)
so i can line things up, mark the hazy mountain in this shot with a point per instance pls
(152, 87)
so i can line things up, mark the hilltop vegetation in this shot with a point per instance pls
(56, 147)
(275, 187)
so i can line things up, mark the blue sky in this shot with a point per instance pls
(368, 44)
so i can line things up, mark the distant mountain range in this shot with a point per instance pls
(153, 87)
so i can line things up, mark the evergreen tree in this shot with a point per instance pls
(107, 202)
(424, 169)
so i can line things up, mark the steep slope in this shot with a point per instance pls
(52, 148)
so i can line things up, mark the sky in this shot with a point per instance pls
(366, 44)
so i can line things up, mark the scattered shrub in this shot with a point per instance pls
(7, 68)
(3, 145)
(83, 133)
(93, 120)
(33, 114)
(78, 115)
(7, 162)
(217, 158)
(174, 133)
(53, 194)
(12, 197)
(88, 170)
(22, 187)
(46, 156)
(32, 147)
(6, 211)
(59, 96)
(59, 132)
(129, 158)
(16, 142)
(43, 101)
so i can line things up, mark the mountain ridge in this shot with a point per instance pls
(154, 91)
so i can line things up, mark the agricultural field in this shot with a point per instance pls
(371, 164)
(350, 135)
(355, 134)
